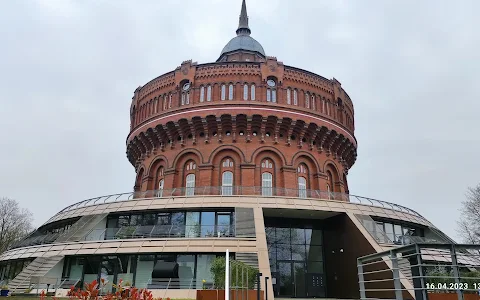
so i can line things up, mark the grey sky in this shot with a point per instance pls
(68, 70)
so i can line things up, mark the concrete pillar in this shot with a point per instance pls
(262, 251)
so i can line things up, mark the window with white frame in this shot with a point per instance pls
(160, 188)
(252, 92)
(307, 100)
(302, 187)
(295, 97)
(289, 96)
(209, 93)
(313, 102)
(227, 183)
(245, 92)
(164, 102)
(190, 185)
(223, 92)
(267, 184)
(202, 94)
(230, 92)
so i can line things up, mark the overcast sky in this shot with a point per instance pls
(68, 70)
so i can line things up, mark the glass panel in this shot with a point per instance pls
(209, 93)
(123, 221)
(112, 222)
(284, 252)
(314, 253)
(245, 92)
(125, 269)
(223, 224)
(163, 219)
(272, 255)
(302, 187)
(298, 252)
(270, 234)
(107, 271)
(204, 263)
(230, 92)
(274, 95)
(314, 236)
(299, 279)
(398, 232)
(252, 96)
(227, 183)
(285, 279)
(223, 92)
(298, 235)
(186, 271)
(136, 220)
(208, 223)
(389, 231)
(149, 219)
(76, 268)
(192, 225)
(144, 270)
(92, 268)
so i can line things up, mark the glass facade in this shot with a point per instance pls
(169, 224)
(296, 257)
(138, 270)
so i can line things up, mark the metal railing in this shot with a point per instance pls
(240, 191)
(162, 231)
(421, 271)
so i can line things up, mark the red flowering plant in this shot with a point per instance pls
(92, 292)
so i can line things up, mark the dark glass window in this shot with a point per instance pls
(208, 223)
(123, 221)
(298, 235)
(164, 219)
(136, 220)
(149, 219)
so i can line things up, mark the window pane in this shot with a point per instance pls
(274, 95)
(223, 92)
(192, 224)
(269, 95)
(204, 263)
(252, 96)
(209, 93)
(289, 95)
(245, 92)
(298, 235)
(284, 252)
(298, 252)
(202, 94)
(149, 219)
(136, 220)
(208, 223)
(314, 253)
(230, 92)
(389, 231)
(314, 236)
(190, 186)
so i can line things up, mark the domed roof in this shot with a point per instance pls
(243, 42)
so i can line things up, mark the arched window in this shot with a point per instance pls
(271, 90)
(170, 101)
(295, 97)
(289, 96)
(227, 163)
(155, 105)
(164, 102)
(230, 92)
(161, 181)
(245, 92)
(202, 94)
(190, 185)
(302, 174)
(267, 177)
(209, 93)
(186, 93)
(313, 102)
(307, 100)
(227, 183)
(330, 185)
(252, 92)
(302, 187)
(190, 168)
(223, 92)
(267, 184)
(328, 108)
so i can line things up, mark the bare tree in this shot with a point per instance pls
(469, 224)
(15, 223)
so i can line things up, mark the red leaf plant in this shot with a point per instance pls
(92, 292)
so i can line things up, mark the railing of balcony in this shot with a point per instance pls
(162, 231)
(232, 191)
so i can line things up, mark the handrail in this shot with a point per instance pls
(232, 191)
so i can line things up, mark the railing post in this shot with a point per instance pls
(361, 279)
(456, 273)
(396, 276)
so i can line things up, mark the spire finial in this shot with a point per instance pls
(243, 21)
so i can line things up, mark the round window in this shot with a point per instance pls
(271, 82)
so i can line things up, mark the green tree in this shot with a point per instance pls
(15, 223)
(469, 224)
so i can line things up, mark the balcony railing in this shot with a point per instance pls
(161, 231)
(233, 191)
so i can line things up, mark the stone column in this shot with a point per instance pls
(262, 251)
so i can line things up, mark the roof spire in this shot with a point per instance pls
(243, 21)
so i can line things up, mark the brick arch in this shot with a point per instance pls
(179, 157)
(217, 159)
(159, 162)
(331, 168)
(139, 178)
(278, 161)
(216, 152)
(313, 168)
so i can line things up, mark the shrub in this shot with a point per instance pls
(236, 269)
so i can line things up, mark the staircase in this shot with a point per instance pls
(81, 228)
(38, 267)
(41, 265)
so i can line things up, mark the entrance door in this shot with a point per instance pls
(291, 280)
(315, 285)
